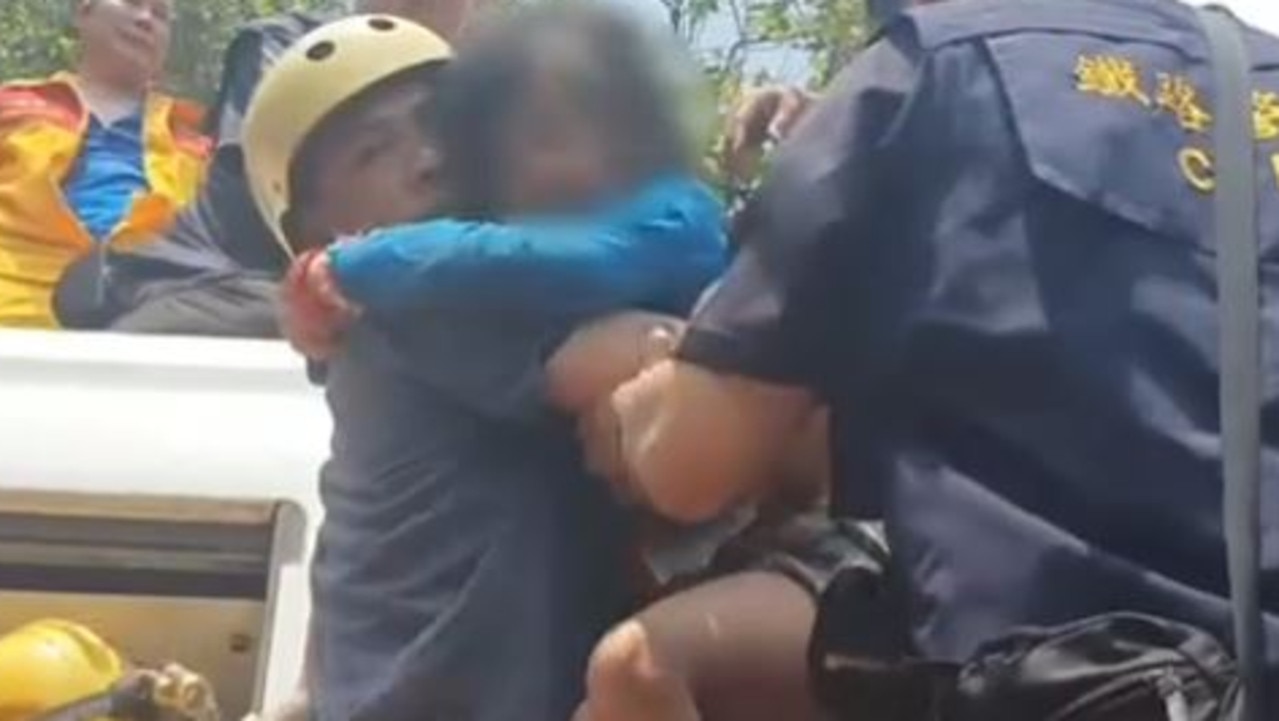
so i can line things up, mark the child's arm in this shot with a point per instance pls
(603, 354)
(598, 357)
(656, 250)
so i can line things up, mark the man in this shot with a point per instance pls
(451, 489)
(986, 251)
(215, 271)
(95, 160)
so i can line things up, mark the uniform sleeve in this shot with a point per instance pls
(658, 251)
(785, 296)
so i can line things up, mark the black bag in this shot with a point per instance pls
(1115, 667)
(1119, 666)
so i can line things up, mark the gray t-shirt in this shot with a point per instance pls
(466, 564)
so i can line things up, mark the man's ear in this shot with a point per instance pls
(304, 230)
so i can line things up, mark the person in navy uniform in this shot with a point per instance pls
(987, 249)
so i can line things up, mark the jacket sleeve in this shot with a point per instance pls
(658, 250)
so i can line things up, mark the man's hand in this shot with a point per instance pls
(764, 115)
(315, 314)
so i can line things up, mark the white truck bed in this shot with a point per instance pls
(158, 432)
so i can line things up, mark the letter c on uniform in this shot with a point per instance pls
(1196, 166)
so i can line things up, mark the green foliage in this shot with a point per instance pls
(201, 32)
(35, 38)
(738, 44)
(827, 32)
(823, 33)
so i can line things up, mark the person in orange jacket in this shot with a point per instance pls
(93, 158)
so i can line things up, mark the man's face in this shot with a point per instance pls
(444, 17)
(374, 166)
(126, 38)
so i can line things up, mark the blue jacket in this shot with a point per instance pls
(655, 249)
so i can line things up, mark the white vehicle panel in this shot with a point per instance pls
(146, 418)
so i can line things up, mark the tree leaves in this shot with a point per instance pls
(35, 38)
(733, 41)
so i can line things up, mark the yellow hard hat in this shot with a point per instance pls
(327, 67)
(51, 663)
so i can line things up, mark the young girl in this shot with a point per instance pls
(530, 123)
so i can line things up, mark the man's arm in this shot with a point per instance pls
(233, 305)
(217, 247)
(714, 424)
(657, 250)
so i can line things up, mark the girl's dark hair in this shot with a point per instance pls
(605, 58)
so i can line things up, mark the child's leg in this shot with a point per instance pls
(732, 649)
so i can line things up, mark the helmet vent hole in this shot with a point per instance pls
(321, 50)
(382, 24)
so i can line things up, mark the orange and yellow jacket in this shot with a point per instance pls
(42, 127)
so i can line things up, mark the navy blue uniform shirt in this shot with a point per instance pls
(989, 249)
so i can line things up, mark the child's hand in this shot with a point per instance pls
(599, 430)
(765, 115)
(660, 343)
(315, 314)
(600, 435)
